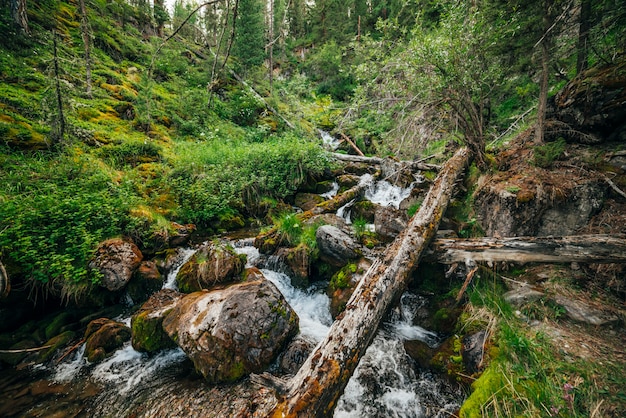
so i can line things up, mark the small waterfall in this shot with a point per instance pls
(246, 246)
(387, 383)
(329, 141)
(332, 192)
(386, 194)
(185, 255)
(311, 305)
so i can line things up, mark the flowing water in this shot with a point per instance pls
(386, 383)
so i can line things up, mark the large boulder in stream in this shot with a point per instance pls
(116, 259)
(229, 333)
(102, 337)
(215, 263)
(336, 247)
(147, 323)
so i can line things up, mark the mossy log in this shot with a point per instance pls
(316, 388)
(567, 249)
(414, 165)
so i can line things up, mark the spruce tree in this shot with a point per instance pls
(249, 45)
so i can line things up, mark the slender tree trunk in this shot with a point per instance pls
(159, 14)
(19, 15)
(84, 23)
(582, 49)
(271, 44)
(318, 385)
(543, 85)
(60, 131)
(5, 283)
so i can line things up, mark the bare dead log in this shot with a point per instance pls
(315, 389)
(352, 144)
(577, 248)
(414, 165)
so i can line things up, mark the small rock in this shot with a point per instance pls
(307, 201)
(102, 337)
(473, 351)
(581, 312)
(522, 295)
(215, 263)
(389, 222)
(146, 280)
(295, 355)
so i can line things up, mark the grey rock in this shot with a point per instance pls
(389, 222)
(522, 295)
(336, 247)
(581, 312)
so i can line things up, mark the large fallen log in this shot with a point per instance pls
(316, 387)
(414, 165)
(578, 248)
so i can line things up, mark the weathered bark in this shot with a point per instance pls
(315, 389)
(19, 15)
(415, 165)
(352, 144)
(5, 284)
(84, 26)
(578, 248)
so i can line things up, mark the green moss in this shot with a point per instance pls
(148, 334)
(341, 279)
(483, 389)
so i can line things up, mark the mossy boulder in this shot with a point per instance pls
(147, 324)
(146, 280)
(215, 263)
(229, 333)
(307, 201)
(297, 262)
(102, 337)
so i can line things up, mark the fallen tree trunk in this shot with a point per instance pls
(5, 283)
(578, 248)
(315, 389)
(414, 165)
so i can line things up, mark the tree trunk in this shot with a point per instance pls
(543, 85)
(84, 23)
(60, 130)
(582, 49)
(580, 248)
(315, 389)
(19, 15)
(5, 283)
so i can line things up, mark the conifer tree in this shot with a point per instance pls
(249, 45)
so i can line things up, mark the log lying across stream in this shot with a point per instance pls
(414, 165)
(567, 249)
(316, 388)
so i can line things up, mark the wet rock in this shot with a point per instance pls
(215, 263)
(181, 234)
(336, 247)
(324, 186)
(295, 355)
(389, 222)
(522, 295)
(307, 201)
(419, 351)
(581, 312)
(55, 343)
(146, 325)
(364, 210)
(343, 283)
(473, 351)
(102, 337)
(347, 181)
(297, 264)
(231, 332)
(116, 259)
(146, 280)
(358, 169)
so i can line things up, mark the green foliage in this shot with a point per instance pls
(359, 226)
(545, 155)
(249, 45)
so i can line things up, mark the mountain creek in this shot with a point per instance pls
(418, 364)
